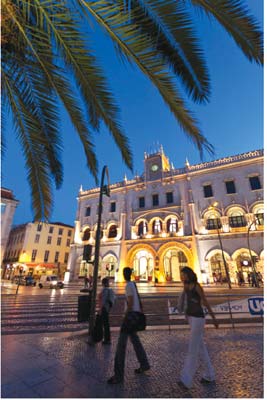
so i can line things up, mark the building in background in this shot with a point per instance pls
(8, 207)
(169, 218)
(37, 249)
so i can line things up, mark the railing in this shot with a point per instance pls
(230, 309)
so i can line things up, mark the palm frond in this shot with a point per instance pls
(234, 16)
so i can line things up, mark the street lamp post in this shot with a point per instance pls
(104, 189)
(250, 253)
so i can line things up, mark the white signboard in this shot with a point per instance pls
(244, 308)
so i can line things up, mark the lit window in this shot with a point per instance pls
(142, 228)
(172, 225)
(213, 223)
(157, 226)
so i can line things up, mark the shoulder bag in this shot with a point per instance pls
(134, 321)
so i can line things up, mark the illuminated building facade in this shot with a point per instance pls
(37, 249)
(169, 218)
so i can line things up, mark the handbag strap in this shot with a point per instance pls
(140, 302)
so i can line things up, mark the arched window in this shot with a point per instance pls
(157, 226)
(142, 228)
(237, 219)
(259, 214)
(86, 234)
(212, 220)
(112, 233)
(172, 225)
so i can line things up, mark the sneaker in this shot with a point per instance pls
(206, 381)
(141, 370)
(106, 342)
(114, 380)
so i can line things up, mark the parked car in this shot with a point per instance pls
(50, 281)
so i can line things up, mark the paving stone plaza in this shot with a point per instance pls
(63, 365)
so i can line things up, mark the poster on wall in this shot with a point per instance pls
(243, 308)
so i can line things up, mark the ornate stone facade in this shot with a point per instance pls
(169, 218)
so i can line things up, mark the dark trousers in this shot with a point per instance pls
(121, 352)
(105, 319)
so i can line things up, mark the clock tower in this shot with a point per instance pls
(156, 164)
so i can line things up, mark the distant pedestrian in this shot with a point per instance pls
(106, 302)
(132, 305)
(220, 279)
(260, 279)
(249, 278)
(253, 280)
(215, 280)
(192, 300)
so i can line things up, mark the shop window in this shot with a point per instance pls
(208, 192)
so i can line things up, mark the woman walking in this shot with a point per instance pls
(192, 300)
(133, 305)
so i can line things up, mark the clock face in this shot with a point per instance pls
(154, 167)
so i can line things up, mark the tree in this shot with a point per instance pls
(46, 59)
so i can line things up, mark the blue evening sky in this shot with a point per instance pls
(232, 121)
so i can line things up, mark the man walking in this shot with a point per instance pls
(132, 304)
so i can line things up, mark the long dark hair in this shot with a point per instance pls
(192, 277)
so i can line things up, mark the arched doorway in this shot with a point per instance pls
(174, 260)
(109, 266)
(143, 265)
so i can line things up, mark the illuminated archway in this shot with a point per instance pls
(173, 257)
(142, 259)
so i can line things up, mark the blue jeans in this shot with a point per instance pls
(121, 351)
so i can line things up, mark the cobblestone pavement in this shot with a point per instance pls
(65, 366)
